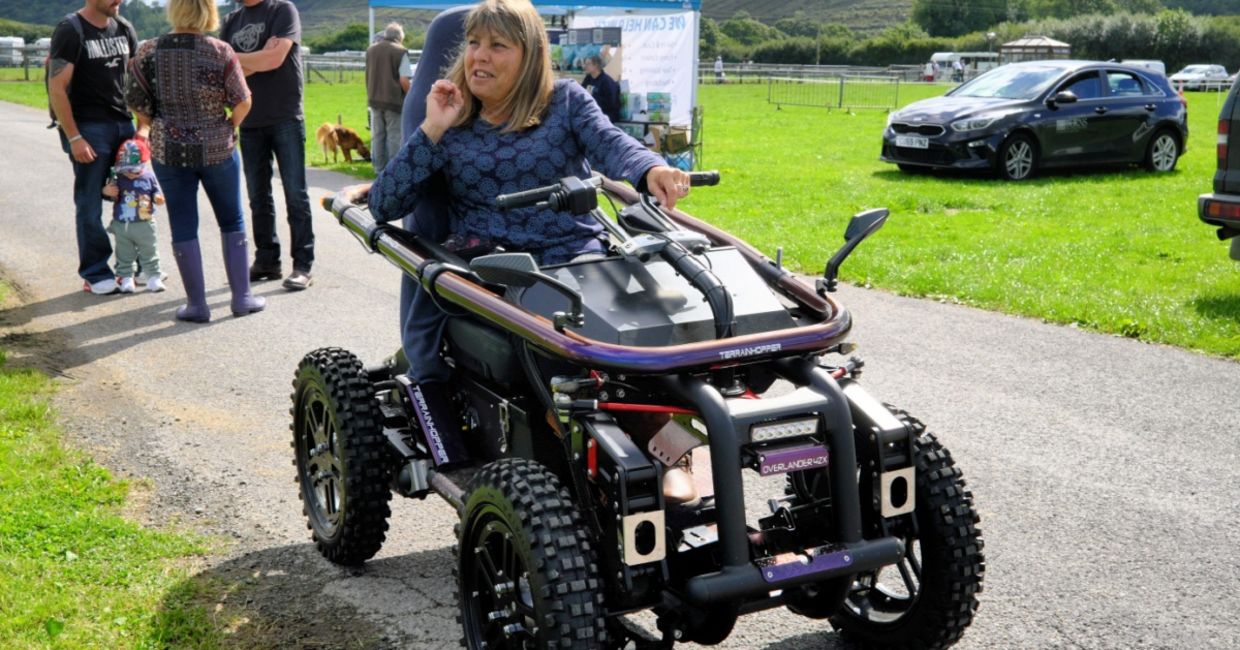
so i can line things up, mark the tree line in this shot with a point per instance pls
(1174, 36)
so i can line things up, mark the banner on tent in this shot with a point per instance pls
(650, 59)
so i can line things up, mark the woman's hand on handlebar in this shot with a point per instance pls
(667, 184)
(356, 194)
(443, 106)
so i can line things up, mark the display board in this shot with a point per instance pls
(654, 49)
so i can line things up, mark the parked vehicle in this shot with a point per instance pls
(11, 50)
(1148, 64)
(1200, 77)
(1222, 207)
(679, 331)
(1022, 117)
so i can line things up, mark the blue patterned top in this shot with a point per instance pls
(480, 163)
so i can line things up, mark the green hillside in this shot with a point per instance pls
(859, 15)
(148, 21)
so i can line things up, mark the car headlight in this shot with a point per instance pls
(973, 123)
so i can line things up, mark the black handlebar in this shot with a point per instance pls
(703, 178)
(575, 195)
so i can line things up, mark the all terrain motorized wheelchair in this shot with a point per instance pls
(564, 530)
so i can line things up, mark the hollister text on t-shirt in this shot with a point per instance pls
(99, 58)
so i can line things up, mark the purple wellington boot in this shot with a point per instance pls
(189, 263)
(236, 263)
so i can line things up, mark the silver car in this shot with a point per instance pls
(1201, 76)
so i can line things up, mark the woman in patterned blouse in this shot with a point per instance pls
(499, 123)
(189, 94)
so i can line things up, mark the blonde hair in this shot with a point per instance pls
(195, 15)
(518, 22)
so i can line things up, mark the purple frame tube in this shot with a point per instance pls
(596, 354)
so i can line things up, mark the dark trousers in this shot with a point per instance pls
(286, 142)
(222, 183)
(94, 247)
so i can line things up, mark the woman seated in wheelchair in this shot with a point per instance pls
(500, 123)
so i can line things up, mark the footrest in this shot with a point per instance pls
(450, 484)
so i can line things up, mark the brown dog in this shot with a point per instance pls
(339, 138)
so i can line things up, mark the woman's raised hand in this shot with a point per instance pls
(443, 106)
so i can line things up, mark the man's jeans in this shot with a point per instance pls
(287, 143)
(385, 137)
(94, 247)
(222, 183)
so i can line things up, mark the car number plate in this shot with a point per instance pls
(912, 142)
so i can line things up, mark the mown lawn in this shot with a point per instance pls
(74, 572)
(1115, 250)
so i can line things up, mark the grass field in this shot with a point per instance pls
(76, 573)
(1113, 250)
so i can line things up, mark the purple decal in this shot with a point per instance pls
(792, 565)
(781, 460)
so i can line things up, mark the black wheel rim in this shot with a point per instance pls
(888, 594)
(500, 610)
(320, 467)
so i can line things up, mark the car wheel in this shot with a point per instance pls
(1018, 158)
(1163, 152)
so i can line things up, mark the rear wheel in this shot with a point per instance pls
(340, 455)
(526, 571)
(928, 599)
(1018, 158)
(1163, 152)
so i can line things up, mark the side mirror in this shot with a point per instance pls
(1062, 97)
(862, 225)
(520, 270)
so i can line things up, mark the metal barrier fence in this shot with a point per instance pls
(846, 92)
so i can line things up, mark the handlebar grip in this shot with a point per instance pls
(525, 198)
(703, 178)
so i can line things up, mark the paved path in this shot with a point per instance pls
(1106, 471)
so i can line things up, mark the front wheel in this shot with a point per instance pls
(928, 599)
(1163, 152)
(340, 454)
(1018, 158)
(526, 571)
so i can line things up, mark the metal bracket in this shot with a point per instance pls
(898, 482)
(504, 423)
(672, 442)
(643, 537)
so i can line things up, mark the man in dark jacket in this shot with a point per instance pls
(387, 80)
(605, 90)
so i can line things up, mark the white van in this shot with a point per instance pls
(972, 63)
(11, 50)
(1149, 64)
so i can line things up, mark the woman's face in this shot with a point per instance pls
(492, 65)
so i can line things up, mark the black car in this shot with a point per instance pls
(1020, 117)
(1222, 208)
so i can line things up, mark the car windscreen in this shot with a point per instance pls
(1010, 83)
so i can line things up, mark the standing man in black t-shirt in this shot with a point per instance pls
(93, 120)
(266, 34)
(605, 90)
